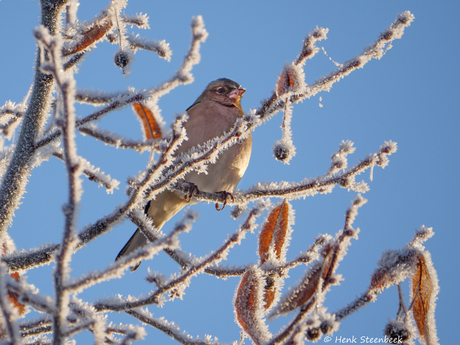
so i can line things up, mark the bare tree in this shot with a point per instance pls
(48, 126)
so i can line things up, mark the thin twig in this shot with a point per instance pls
(192, 271)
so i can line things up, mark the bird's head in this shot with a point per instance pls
(223, 91)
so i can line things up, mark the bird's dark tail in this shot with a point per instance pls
(137, 240)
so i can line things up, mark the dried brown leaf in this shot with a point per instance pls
(285, 81)
(306, 291)
(394, 267)
(380, 279)
(93, 34)
(422, 290)
(274, 232)
(248, 307)
(245, 301)
(309, 285)
(151, 128)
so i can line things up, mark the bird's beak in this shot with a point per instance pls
(236, 94)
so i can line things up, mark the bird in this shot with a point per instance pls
(213, 113)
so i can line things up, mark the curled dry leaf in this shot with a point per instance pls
(285, 81)
(291, 79)
(304, 293)
(424, 292)
(151, 128)
(273, 234)
(394, 267)
(383, 278)
(91, 35)
(272, 242)
(305, 290)
(247, 303)
(318, 278)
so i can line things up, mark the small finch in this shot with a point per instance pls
(212, 114)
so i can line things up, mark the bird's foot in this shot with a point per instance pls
(192, 191)
(225, 195)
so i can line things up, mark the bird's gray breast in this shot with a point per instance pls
(206, 121)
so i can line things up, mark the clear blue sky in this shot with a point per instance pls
(410, 96)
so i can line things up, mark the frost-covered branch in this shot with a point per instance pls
(161, 48)
(119, 100)
(25, 260)
(285, 190)
(318, 279)
(84, 36)
(15, 178)
(308, 187)
(118, 103)
(28, 295)
(33, 258)
(375, 51)
(116, 269)
(292, 78)
(183, 74)
(9, 313)
(118, 141)
(139, 20)
(303, 259)
(10, 116)
(177, 284)
(94, 174)
(50, 55)
(96, 97)
(144, 224)
(73, 61)
(30, 328)
(170, 328)
(225, 271)
(393, 267)
(130, 332)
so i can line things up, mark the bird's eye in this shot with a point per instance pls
(220, 90)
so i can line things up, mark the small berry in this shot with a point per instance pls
(281, 152)
(313, 333)
(121, 59)
(397, 332)
(325, 327)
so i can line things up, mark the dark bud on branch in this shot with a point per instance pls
(121, 59)
(281, 152)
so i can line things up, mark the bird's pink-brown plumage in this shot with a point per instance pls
(212, 114)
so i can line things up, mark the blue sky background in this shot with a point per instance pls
(410, 96)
